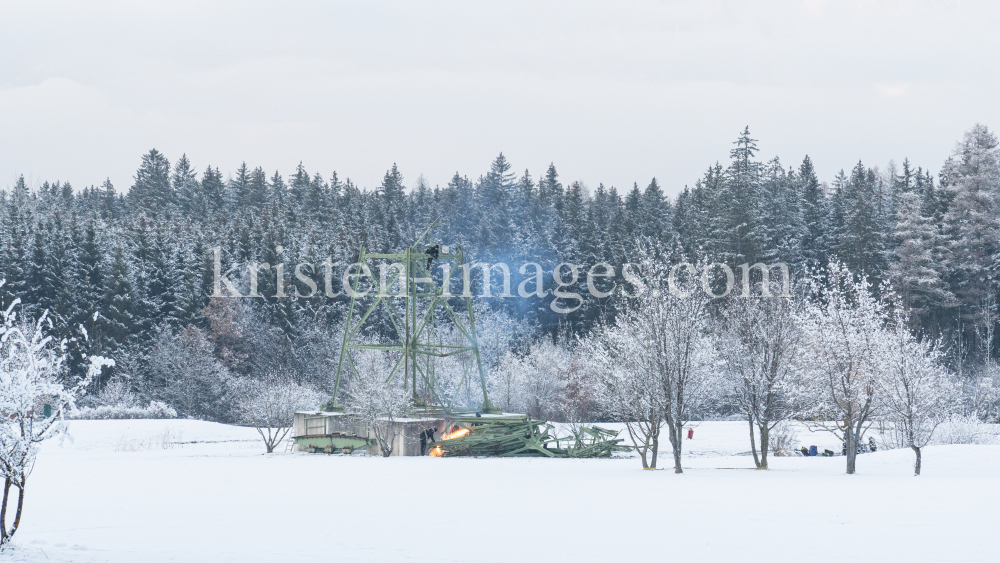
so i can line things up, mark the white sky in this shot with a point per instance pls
(612, 92)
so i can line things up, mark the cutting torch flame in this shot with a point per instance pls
(456, 434)
(436, 452)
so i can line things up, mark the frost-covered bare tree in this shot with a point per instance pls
(626, 390)
(506, 383)
(543, 383)
(674, 326)
(758, 339)
(269, 404)
(917, 390)
(185, 374)
(374, 399)
(842, 360)
(662, 341)
(32, 367)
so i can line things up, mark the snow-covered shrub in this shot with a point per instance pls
(783, 439)
(155, 409)
(117, 391)
(967, 429)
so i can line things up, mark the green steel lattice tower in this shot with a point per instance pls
(414, 329)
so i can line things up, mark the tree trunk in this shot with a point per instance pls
(3, 512)
(656, 449)
(676, 443)
(267, 439)
(916, 467)
(852, 450)
(642, 450)
(753, 445)
(20, 505)
(765, 443)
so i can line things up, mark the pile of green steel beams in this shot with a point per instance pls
(523, 437)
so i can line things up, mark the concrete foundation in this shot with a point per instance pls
(339, 429)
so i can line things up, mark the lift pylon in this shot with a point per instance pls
(414, 330)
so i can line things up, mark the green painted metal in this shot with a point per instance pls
(421, 297)
(521, 436)
(339, 442)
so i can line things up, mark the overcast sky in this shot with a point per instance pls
(612, 92)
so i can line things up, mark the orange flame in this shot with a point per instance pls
(456, 434)
(436, 452)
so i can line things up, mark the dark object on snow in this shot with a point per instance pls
(812, 450)
(871, 444)
(432, 252)
(827, 453)
(426, 436)
(805, 451)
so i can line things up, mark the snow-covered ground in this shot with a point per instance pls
(188, 491)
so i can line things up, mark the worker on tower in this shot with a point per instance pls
(432, 253)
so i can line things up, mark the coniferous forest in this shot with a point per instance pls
(126, 271)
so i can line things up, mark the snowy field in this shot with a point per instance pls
(188, 491)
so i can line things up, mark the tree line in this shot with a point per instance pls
(127, 274)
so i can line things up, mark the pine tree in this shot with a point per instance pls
(863, 238)
(971, 177)
(815, 210)
(239, 187)
(655, 214)
(918, 274)
(186, 188)
(392, 204)
(118, 322)
(152, 191)
(214, 190)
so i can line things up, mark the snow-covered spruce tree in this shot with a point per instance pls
(32, 366)
(916, 390)
(374, 401)
(758, 339)
(918, 273)
(971, 178)
(844, 342)
(269, 404)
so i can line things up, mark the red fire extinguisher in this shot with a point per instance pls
(690, 433)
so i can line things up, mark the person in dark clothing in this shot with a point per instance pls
(871, 444)
(425, 437)
(432, 253)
